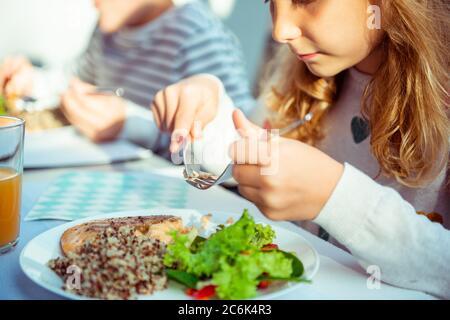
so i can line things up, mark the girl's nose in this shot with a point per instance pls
(285, 31)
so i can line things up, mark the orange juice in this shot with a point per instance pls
(5, 121)
(10, 188)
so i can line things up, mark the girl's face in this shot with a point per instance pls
(328, 35)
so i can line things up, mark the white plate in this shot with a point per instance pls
(36, 254)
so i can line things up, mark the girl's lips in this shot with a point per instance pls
(308, 56)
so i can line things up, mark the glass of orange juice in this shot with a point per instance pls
(11, 168)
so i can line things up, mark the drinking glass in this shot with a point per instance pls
(11, 168)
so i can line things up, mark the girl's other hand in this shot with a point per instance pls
(186, 107)
(285, 178)
(100, 117)
(16, 77)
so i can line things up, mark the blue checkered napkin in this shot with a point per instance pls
(75, 195)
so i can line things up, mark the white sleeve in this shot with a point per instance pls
(381, 229)
(223, 121)
(220, 133)
(140, 127)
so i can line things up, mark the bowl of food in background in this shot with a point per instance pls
(39, 115)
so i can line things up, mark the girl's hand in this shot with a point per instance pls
(16, 77)
(186, 107)
(99, 117)
(286, 179)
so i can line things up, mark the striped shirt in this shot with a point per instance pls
(185, 40)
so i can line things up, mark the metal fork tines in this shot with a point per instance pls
(203, 180)
(200, 180)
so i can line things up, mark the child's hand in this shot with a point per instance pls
(99, 117)
(16, 77)
(286, 179)
(186, 107)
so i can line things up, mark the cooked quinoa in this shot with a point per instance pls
(117, 264)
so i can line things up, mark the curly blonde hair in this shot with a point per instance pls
(409, 122)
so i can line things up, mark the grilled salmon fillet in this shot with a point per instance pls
(155, 227)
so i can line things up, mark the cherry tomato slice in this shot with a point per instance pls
(269, 247)
(202, 294)
(263, 284)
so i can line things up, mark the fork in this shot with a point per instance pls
(204, 180)
(28, 102)
(119, 92)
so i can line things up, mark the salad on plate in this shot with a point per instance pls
(233, 263)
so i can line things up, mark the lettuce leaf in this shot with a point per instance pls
(2, 105)
(232, 258)
(183, 277)
(240, 279)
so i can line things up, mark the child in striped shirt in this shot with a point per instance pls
(141, 46)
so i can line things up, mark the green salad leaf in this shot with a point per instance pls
(297, 265)
(239, 280)
(187, 279)
(2, 105)
(197, 244)
(297, 270)
(231, 259)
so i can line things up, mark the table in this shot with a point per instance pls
(339, 275)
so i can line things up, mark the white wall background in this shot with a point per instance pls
(56, 31)
(53, 31)
(250, 21)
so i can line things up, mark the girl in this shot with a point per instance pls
(375, 148)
